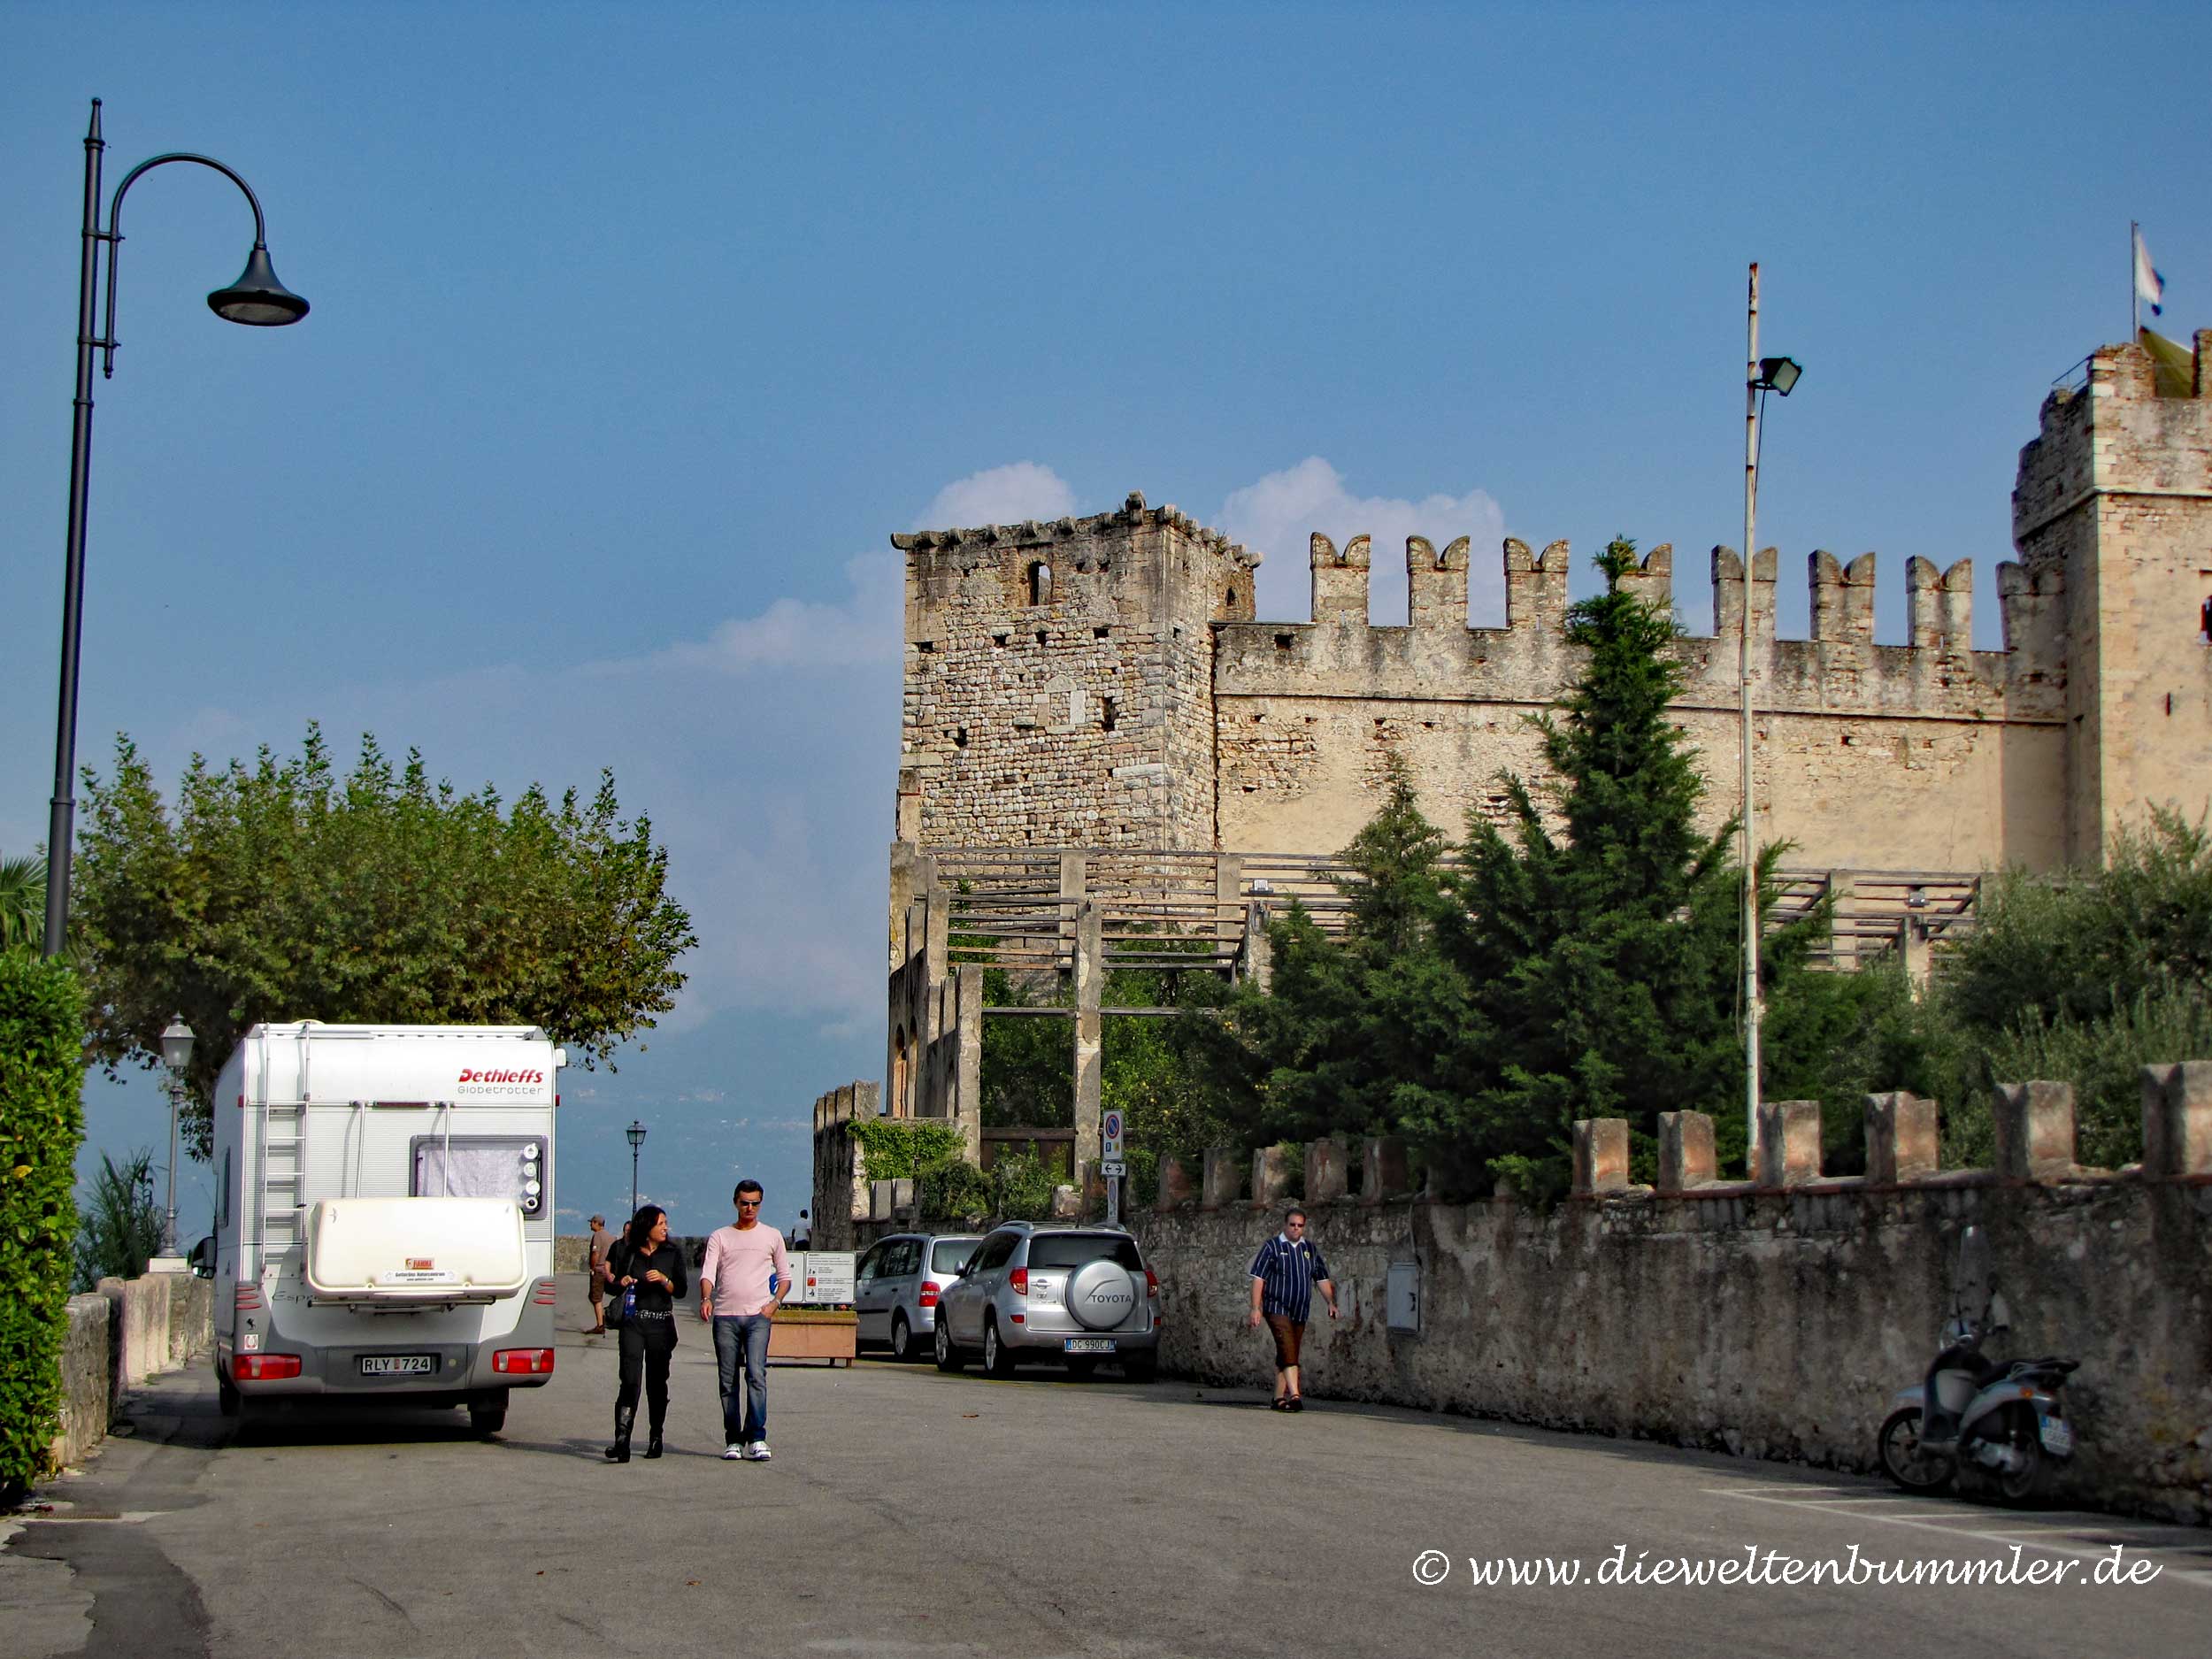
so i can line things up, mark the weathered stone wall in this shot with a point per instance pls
(840, 1194)
(1774, 1325)
(125, 1332)
(1072, 707)
(1774, 1319)
(88, 1379)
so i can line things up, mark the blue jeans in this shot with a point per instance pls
(743, 1335)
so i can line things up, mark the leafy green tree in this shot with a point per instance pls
(2084, 977)
(22, 902)
(285, 891)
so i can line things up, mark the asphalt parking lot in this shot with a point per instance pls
(911, 1512)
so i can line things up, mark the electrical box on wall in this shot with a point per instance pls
(1402, 1300)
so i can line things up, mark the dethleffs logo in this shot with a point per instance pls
(471, 1075)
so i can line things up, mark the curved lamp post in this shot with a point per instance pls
(637, 1131)
(255, 299)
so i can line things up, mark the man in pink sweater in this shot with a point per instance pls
(733, 1294)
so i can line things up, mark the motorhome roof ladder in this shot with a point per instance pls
(283, 1184)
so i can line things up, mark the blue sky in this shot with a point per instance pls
(637, 332)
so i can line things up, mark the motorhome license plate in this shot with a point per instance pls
(398, 1364)
(1089, 1345)
(2058, 1436)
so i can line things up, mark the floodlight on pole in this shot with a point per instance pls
(1761, 375)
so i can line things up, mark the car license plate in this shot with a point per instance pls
(1089, 1345)
(398, 1364)
(2058, 1436)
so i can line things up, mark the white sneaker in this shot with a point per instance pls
(732, 1452)
(758, 1451)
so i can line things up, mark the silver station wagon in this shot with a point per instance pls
(897, 1284)
(1073, 1295)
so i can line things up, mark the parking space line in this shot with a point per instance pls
(2189, 1575)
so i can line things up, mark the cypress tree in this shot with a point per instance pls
(1601, 956)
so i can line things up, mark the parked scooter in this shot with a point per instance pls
(1974, 1424)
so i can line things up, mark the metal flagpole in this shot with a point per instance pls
(2135, 289)
(1750, 839)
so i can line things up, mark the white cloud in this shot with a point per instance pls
(1001, 495)
(1279, 514)
(803, 634)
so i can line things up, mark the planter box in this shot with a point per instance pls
(828, 1334)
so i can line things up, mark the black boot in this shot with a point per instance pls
(620, 1452)
(653, 1442)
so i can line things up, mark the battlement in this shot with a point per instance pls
(1435, 655)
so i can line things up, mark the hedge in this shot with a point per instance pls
(41, 1120)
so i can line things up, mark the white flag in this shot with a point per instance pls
(2149, 285)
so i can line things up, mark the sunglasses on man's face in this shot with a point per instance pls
(748, 1203)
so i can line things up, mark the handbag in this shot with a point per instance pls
(621, 1303)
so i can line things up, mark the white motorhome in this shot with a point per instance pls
(384, 1215)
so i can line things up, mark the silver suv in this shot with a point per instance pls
(897, 1284)
(1076, 1295)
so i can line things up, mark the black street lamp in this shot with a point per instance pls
(637, 1143)
(258, 300)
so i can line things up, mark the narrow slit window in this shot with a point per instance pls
(1109, 711)
(1040, 583)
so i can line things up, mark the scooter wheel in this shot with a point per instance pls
(2020, 1486)
(1898, 1447)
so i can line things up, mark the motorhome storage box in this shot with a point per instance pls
(415, 1249)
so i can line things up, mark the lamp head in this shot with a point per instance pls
(257, 299)
(636, 1133)
(176, 1044)
(1778, 374)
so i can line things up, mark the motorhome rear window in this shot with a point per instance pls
(513, 1167)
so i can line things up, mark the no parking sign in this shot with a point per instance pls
(1110, 1137)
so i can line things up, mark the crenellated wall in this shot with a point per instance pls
(1968, 745)
(1774, 1319)
(1133, 700)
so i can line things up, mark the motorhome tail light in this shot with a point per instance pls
(543, 1297)
(931, 1290)
(522, 1361)
(265, 1367)
(1018, 1281)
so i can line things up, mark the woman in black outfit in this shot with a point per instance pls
(644, 1257)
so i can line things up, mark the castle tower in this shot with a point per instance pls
(1059, 681)
(2112, 515)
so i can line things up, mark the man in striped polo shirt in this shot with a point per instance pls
(1284, 1274)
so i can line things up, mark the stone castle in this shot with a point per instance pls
(1101, 744)
(1102, 682)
